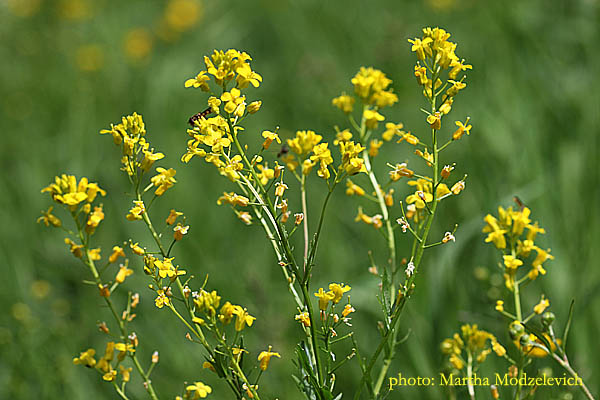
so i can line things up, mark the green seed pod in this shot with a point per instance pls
(548, 318)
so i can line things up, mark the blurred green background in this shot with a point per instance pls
(69, 68)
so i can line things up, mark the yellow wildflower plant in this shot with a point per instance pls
(274, 178)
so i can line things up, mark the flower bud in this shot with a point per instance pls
(515, 330)
(548, 318)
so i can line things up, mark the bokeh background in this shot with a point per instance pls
(71, 67)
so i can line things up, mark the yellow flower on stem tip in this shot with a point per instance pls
(179, 231)
(462, 129)
(496, 235)
(200, 81)
(247, 76)
(94, 219)
(243, 318)
(435, 121)
(136, 211)
(265, 357)
(125, 373)
(338, 291)
(149, 159)
(304, 142)
(422, 48)
(324, 298)
(86, 358)
(353, 189)
(233, 199)
(348, 309)
(198, 390)
(269, 138)
(304, 318)
(511, 262)
(161, 300)
(392, 129)
(173, 216)
(76, 249)
(399, 171)
(541, 306)
(374, 146)
(372, 118)
(344, 103)
(163, 180)
(117, 252)
(409, 138)
(500, 305)
(455, 88)
(234, 102)
(66, 190)
(49, 219)
(123, 273)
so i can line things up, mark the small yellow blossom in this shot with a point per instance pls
(541, 306)
(265, 357)
(163, 180)
(324, 298)
(462, 129)
(338, 291)
(173, 216)
(123, 273)
(198, 390)
(344, 103)
(269, 138)
(136, 212)
(49, 219)
(511, 262)
(372, 118)
(304, 318)
(86, 358)
(161, 300)
(500, 305)
(179, 231)
(117, 252)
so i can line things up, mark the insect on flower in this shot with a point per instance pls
(196, 117)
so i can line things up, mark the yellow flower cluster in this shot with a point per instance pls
(418, 201)
(104, 364)
(514, 231)
(66, 190)
(334, 294)
(474, 341)
(224, 66)
(138, 158)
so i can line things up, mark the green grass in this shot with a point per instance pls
(532, 97)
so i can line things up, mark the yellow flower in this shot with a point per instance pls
(200, 81)
(342, 136)
(234, 199)
(243, 318)
(117, 252)
(457, 67)
(161, 300)
(324, 298)
(322, 154)
(338, 291)
(304, 318)
(198, 390)
(462, 129)
(226, 314)
(344, 103)
(179, 231)
(374, 146)
(94, 254)
(136, 211)
(247, 76)
(125, 373)
(123, 273)
(348, 309)
(500, 305)
(456, 361)
(354, 189)
(49, 219)
(541, 306)
(86, 358)
(496, 235)
(304, 142)
(269, 138)
(435, 121)
(254, 107)
(399, 171)
(511, 262)
(173, 216)
(76, 249)
(392, 129)
(372, 118)
(66, 190)
(94, 220)
(458, 187)
(422, 48)
(234, 102)
(520, 220)
(163, 180)
(149, 159)
(265, 357)
(208, 302)
(455, 88)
